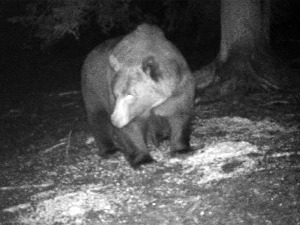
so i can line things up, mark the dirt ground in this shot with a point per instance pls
(245, 170)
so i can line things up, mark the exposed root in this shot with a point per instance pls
(241, 73)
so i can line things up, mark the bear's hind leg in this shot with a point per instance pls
(102, 131)
(180, 134)
(158, 130)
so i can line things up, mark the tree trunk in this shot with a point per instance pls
(266, 19)
(245, 60)
(241, 23)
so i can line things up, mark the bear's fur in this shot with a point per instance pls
(137, 89)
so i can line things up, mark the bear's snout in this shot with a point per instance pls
(118, 121)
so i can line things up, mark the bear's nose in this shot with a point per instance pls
(117, 122)
(114, 120)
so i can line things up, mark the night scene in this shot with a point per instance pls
(149, 112)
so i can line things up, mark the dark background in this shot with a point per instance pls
(25, 69)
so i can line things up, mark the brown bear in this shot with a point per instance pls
(138, 89)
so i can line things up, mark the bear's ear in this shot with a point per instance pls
(114, 62)
(151, 67)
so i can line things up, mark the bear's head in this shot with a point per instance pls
(137, 89)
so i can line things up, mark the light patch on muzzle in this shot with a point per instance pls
(120, 116)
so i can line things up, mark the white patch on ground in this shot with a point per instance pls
(90, 140)
(68, 207)
(213, 160)
(223, 157)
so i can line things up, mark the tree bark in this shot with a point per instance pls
(245, 61)
(266, 19)
(240, 24)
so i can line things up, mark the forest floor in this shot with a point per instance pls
(245, 170)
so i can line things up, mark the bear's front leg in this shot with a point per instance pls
(135, 148)
(180, 134)
(102, 131)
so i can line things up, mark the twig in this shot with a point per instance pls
(11, 188)
(276, 102)
(68, 93)
(16, 208)
(53, 147)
